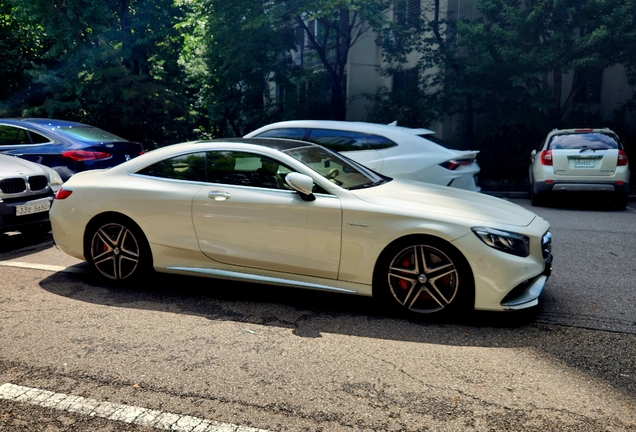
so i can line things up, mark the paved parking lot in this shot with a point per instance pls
(200, 353)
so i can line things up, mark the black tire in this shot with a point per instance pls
(537, 199)
(117, 249)
(620, 200)
(424, 275)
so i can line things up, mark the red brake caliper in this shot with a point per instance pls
(406, 264)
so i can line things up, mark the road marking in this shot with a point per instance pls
(117, 412)
(47, 267)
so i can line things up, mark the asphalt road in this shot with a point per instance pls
(201, 354)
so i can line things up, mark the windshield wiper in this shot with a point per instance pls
(593, 149)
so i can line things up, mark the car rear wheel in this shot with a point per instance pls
(425, 275)
(118, 250)
(620, 201)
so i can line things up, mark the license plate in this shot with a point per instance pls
(583, 163)
(33, 207)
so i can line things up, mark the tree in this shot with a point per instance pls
(18, 48)
(331, 28)
(112, 64)
(503, 70)
(245, 51)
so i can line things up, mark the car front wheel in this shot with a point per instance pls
(425, 276)
(118, 250)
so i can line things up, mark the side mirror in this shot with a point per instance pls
(301, 183)
(533, 153)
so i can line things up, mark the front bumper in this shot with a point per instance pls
(9, 221)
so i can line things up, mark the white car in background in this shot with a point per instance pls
(291, 213)
(583, 161)
(26, 195)
(391, 150)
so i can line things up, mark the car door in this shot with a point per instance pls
(246, 216)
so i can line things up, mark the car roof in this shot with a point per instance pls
(354, 126)
(581, 131)
(43, 122)
(273, 143)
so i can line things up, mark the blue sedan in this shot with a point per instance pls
(67, 147)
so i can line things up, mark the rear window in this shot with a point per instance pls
(594, 141)
(90, 134)
(288, 133)
(339, 140)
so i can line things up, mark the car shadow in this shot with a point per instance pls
(21, 244)
(580, 202)
(310, 314)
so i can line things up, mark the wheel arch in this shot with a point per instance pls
(409, 240)
(110, 216)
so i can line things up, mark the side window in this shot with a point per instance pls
(10, 135)
(289, 133)
(337, 140)
(184, 167)
(246, 169)
(377, 142)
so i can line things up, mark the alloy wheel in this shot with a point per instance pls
(423, 279)
(115, 251)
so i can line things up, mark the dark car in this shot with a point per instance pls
(67, 147)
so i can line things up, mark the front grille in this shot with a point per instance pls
(12, 185)
(37, 183)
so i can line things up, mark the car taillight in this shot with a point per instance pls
(84, 155)
(546, 157)
(454, 164)
(622, 158)
(63, 194)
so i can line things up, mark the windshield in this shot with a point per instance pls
(90, 134)
(336, 168)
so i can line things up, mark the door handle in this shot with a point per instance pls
(219, 195)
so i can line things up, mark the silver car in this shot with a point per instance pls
(26, 195)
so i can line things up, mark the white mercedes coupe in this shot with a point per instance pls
(292, 213)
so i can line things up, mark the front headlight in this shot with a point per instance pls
(509, 242)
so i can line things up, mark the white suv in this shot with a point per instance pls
(580, 160)
(391, 150)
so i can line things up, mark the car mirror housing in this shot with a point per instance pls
(301, 183)
(533, 153)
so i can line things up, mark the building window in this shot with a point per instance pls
(405, 81)
(407, 12)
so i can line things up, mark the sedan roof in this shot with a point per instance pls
(43, 122)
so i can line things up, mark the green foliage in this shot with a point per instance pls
(243, 55)
(112, 64)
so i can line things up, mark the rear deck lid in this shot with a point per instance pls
(584, 154)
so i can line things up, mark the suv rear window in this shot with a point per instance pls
(594, 141)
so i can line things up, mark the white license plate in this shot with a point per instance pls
(32, 207)
(583, 163)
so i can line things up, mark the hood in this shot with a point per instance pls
(446, 201)
(10, 165)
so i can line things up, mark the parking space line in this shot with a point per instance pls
(46, 267)
(117, 412)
